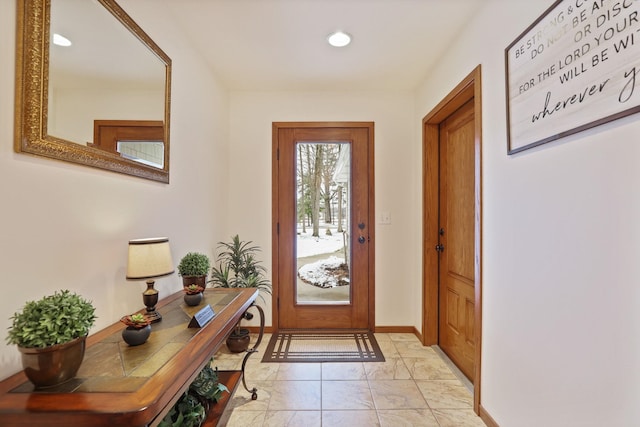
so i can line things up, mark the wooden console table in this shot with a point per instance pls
(118, 385)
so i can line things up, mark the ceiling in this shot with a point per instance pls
(281, 45)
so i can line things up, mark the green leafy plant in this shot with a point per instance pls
(54, 319)
(206, 384)
(194, 264)
(189, 410)
(238, 267)
(137, 320)
(192, 289)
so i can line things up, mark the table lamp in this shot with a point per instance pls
(148, 259)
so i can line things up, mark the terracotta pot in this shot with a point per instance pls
(193, 299)
(53, 365)
(197, 280)
(238, 341)
(136, 336)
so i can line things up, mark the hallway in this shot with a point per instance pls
(414, 387)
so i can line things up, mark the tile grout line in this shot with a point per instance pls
(369, 384)
(454, 369)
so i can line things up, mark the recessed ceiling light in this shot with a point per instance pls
(61, 40)
(339, 39)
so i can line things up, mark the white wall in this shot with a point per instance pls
(67, 226)
(397, 161)
(561, 240)
(73, 110)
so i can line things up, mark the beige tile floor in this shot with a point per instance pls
(413, 387)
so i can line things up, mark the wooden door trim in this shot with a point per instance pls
(107, 133)
(275, 197)
(468, 88)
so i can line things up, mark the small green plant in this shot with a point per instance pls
(206, 384)
(194, 264)
(193, 289)
(238, 267)
(137, 320)
(54, 319)
(189, 410)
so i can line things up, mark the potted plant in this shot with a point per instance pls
(206, 385)
(138, 329)
(193, 294)
(238, 267)
(193, 268)
(50, 334)
(188, 411)
(192, 407)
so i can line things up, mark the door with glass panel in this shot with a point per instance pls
(323, 225)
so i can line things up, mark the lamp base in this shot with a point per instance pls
(153, 315)
(150, 299)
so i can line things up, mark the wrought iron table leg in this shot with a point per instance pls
(254, 349)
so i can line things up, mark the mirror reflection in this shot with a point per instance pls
(105, 73)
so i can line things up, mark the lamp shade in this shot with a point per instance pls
(149, 258)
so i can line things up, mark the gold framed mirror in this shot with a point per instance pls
(113, 71)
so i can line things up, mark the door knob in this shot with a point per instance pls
(361, 239)
(439, 248)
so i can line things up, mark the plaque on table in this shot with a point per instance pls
(202, 317)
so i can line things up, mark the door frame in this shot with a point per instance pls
(275, 220)
(468, 88)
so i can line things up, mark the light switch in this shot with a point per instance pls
(385, 218)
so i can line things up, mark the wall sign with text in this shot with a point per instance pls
(575, 67)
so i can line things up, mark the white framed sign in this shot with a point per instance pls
(577, 66)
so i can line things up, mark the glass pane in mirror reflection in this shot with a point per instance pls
(149, 153)
(323, 222)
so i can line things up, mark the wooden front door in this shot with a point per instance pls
(456, 242)
(323, 192)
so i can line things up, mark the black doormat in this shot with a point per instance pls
(322, 346)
